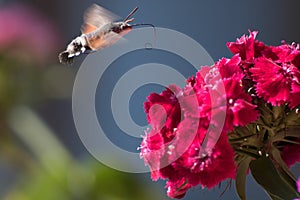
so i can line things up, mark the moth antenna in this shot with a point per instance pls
(131, 13)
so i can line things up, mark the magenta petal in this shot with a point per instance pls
(177, 189)
(291, 153)
(244, 113)
(273, 84)
(229, 67)
(244, 46)
(298, 184)
(295, 97)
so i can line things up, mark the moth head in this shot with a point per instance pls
(122, 28)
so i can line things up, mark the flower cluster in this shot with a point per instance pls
(241, 107)
(274, 70)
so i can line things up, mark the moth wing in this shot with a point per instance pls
(96, 16)
(106, 41)
(87, 28)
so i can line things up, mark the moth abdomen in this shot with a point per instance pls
(64, 58)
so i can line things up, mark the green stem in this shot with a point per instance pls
(40, 139)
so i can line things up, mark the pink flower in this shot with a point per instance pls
(175, 151)
(202, 167)
(248, 49)
(192, 167)
(182, 118)
(229, 67)
(240, 110)
(234, 102)
(274, 69)
(222, 155)
(188, 143)
(244, 46)
(286, 54)
(273, 80)
(167, 112)
(152, 150)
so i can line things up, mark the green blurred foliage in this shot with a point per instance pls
(88, 181)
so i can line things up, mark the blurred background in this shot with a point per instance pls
(41, 155)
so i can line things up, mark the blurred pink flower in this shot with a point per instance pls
(25, 31)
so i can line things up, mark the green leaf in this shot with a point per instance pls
(283, 169)
(240, 182)
(273, 197)
(247, 152)
(241, 139)
(265, 174)
(293, 132)
(277, 112)
(290, 132)
(290, 141)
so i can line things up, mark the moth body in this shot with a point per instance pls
(98, 32)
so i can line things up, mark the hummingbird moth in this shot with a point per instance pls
(98, 31)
